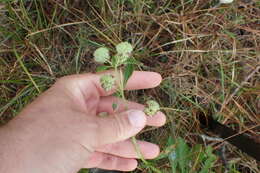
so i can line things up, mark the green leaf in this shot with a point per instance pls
(173, 160)
(102, 68)
(132, 61)
(184, 158)
(232, 35)
(128, 71)
(83, 171)
(114, 106)
(170, 141)
(114, 61)
(169, 149)
(209, 160)
(183, 155)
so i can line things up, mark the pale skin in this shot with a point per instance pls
(61, 132)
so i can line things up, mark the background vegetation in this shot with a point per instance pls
(208, 56)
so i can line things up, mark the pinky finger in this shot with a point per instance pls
(110, 162)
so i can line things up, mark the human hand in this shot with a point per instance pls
(60, 131)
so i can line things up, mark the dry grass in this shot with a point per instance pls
(209, 58)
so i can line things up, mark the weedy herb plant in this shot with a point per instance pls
(209, 61)
(123, 64)
(182, 157)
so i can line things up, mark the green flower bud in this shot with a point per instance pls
(107, 82)
(152, 107)
(120, 59)
(124, 48)
(101, 55)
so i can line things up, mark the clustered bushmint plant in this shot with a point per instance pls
(122, 63)
(121, 58)
(123, 54)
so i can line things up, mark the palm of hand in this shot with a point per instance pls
(68, 134)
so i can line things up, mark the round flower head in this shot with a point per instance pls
(152, 107)
(124, 48)
(101, 55)
(225, 1)
(107, 82)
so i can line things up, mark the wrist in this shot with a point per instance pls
(26, 149)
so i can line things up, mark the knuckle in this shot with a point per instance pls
(112, 161)
(115, 147)
(96, 131)
(120, 124)
(77, 77)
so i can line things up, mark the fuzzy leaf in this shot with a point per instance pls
(114, 106)
(102, 68)
(128, 71)
(132, 60)
(182, 154)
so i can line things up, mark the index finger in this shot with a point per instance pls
(138, 80)
(143, 80)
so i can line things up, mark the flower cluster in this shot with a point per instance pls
(152, 107)
(107, 82)
(124, 50)
(101, 55)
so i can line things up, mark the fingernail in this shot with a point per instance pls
(137, 118)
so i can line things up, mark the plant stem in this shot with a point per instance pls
(139, 154)
(134, 141)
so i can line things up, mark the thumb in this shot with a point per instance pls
(121, 126)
